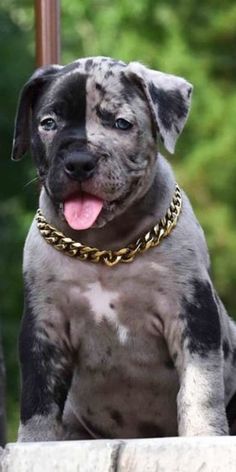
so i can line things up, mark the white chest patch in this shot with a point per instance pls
(102, 303)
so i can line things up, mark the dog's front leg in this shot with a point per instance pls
(46, 368)
(199, 361)
(200, 402)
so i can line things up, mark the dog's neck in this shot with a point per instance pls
(130, 225)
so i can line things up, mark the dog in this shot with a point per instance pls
(130, 339)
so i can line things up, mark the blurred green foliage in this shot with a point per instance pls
(192, 38)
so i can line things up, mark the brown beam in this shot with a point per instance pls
(47, 22)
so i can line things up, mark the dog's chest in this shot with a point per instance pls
(126, 303)
(123, 360)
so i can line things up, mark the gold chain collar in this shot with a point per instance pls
(109, 257)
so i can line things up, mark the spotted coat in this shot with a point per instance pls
(143, 349)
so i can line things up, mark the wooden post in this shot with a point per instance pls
(47, 23)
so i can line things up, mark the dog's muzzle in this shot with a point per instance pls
(80, 165)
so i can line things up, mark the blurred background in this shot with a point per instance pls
(192, 38)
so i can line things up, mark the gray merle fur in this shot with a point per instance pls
(144, 349)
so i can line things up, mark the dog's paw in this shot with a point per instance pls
(40, 428)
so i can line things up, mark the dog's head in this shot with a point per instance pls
(92, 128)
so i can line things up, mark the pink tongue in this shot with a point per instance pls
(81, 211)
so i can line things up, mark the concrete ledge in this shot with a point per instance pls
(211, 454)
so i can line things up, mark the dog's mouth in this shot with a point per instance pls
(81, 210)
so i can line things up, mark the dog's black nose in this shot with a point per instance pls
(80, 165)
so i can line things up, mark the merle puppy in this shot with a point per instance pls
(113, 349)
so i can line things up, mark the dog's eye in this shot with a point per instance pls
(123, 124)
(48, 124)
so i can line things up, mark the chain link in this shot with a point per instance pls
(111, 258)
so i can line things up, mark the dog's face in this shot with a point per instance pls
(93, 127)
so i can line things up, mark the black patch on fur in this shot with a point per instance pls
(226, 349)
(201, 316)
(35, 87)
(105, 116)
(108, 74)
(117, 417)
(177, 129)
(67, 99)
(114, 62)
(100, 88)
(131, 88)
(169, 364)
(147, 429)
(88, 65)
(234, 357)
(42, 384)
(128, 91)
(231, 412)
(171, 105)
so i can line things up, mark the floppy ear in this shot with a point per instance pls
(21, 139)
(169, 98)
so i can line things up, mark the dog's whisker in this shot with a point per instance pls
(35, 179)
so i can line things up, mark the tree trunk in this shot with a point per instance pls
(2, 399)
